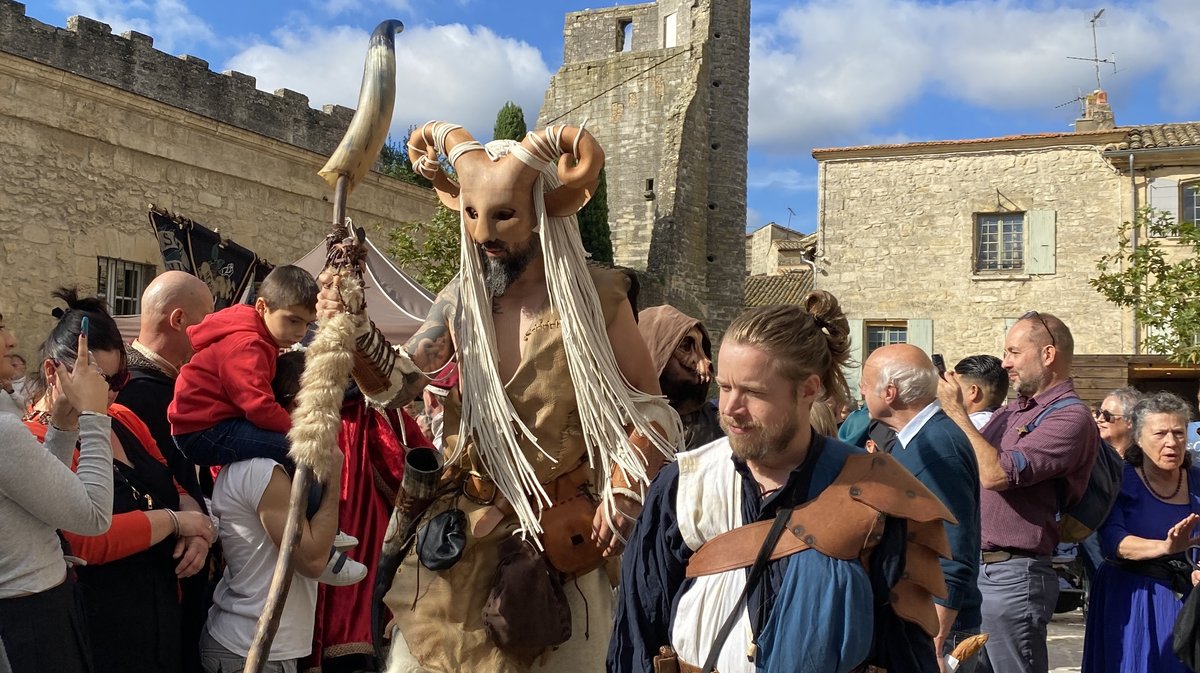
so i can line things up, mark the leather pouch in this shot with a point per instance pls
(441, 542)
(527, 608)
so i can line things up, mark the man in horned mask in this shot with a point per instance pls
(548, 450)
(682, 354)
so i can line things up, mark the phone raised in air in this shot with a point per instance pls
(940, 363)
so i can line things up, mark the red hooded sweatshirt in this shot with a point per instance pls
(229, 376)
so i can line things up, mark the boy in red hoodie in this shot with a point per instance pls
(224, 408)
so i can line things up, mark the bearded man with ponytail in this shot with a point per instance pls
(841, 545)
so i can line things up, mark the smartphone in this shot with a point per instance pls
(940, 363)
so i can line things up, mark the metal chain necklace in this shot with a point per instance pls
(1160, 496)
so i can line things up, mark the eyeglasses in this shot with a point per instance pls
(117, 382)
(1035, 314)
(1105, 415)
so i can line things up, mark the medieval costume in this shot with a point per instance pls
(529, 460)
(374, 444)
(850, 583)
(682, 354)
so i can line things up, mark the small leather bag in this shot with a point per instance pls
(441, 542)
(527, 608)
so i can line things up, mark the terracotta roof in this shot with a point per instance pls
(787, 288)
(1157, 136)
(1072, 137)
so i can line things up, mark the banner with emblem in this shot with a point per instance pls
(226, 267)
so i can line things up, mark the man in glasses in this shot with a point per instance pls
(1022, 472)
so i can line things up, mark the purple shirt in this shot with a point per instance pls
(1061, 450)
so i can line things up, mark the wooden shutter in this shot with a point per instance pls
(1040, 234)
(1164, 196)
(920, 334)
(857, 354)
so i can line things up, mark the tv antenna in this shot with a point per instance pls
(791, 214)
(1095, 59)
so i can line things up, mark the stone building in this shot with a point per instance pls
(780, 265)
(665, 86)
(94, 127)
(945, 244)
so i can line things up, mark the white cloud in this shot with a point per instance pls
(447, 72)
(172, 25)
(827, 70)
(782, 179)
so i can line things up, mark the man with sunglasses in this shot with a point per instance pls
(1022, 474)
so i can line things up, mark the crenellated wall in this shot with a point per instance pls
(95, 127)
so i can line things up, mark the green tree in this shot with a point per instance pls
(1164, 294)
(393, 159)
(593, 224)
(429, 248)
(510, 123)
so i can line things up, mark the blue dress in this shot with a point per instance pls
(1131, 617)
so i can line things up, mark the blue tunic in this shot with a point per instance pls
(1130, 616)
(653, 579)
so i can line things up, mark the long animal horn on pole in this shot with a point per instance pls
(330, 358)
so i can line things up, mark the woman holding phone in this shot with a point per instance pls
(40, 630)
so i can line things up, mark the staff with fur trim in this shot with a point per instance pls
(331, 357)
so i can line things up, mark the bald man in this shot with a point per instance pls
(900, 386)
(171, 302)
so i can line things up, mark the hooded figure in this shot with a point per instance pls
(682, 355)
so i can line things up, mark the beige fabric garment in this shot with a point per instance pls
(439, 613)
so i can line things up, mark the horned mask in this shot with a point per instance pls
(537, 184)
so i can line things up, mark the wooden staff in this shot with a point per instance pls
(316, 420)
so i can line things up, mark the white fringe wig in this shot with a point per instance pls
(608, 404)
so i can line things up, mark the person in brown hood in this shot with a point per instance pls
(682, 355)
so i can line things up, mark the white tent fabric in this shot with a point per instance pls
(395, 301)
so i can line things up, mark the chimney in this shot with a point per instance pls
(1097, 115)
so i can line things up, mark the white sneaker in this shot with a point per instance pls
(342, 541)
(342, 571)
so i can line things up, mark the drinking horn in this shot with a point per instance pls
(330, 359)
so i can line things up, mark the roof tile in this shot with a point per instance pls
(787, 288)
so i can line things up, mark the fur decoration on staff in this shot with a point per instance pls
(328, 362)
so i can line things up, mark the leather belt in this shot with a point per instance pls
(1001, 556)
(482, 491)
(478, 489)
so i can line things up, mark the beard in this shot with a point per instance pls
(500, 272)
(763, 440)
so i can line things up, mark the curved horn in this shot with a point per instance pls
(368, 128)
(423, 153)
(578, 168)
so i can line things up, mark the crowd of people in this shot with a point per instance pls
(147, 484)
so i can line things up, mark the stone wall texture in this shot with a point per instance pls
(95, 127)
(897, 235)
(672, 121)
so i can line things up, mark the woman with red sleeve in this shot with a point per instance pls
(129, 576)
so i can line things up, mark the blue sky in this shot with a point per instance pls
(824, 73)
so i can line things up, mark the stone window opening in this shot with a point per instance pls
(649, 192)
(121, 283)
(999, 242)
(1189, 193)
(624, 35)
(885, 333)
(670, 31)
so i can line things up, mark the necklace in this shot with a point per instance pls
(1160, 496)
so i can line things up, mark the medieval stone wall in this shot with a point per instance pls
(94, 127)
(898, 233)
(672, 120)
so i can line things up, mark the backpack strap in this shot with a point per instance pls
(1051, 408)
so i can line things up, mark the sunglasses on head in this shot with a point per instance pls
(1105, 415)
(1034, 314)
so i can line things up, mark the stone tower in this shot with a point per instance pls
(665, 86)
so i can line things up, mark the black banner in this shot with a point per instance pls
(226, 267)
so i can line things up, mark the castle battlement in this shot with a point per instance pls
(130, 62)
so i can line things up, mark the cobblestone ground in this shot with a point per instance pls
(1065, 641)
